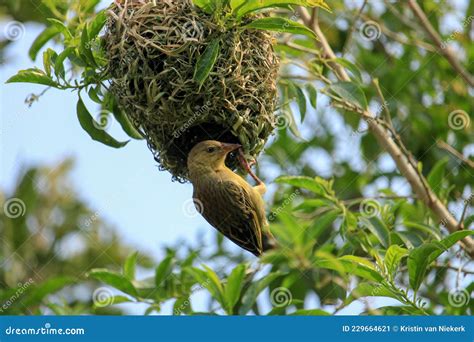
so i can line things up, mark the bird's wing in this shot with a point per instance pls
(230, 209)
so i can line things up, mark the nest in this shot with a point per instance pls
(152, 48)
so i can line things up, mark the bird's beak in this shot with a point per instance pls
(230, 147)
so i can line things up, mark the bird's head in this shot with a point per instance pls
(209, 155)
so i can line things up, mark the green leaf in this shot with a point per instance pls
(130, 266)
(393, 257)
(300, 99)
(37, 292)
(369, 290)
(352, 265)
(250, 296)
(278, 24)
(350, 92)
(59, 64)
(115, 280)
(436, 175)
(113, 300)
(60, 27)
(182, 305)
(97, 24)
(90, 126)
(378, 228)
(125, 122)
(34, 75)
(322, 224)
(209, 280)
(421, 257)
(163, 270)
(468, 221)
(40, 41)
(233, 287)
(241, 8)
(49, 58)
(431, 230)
(85, 48)
(313, 95)
(351, 67)
(311, 184)
(207, 6)
(206, 62)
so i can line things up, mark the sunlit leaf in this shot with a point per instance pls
(421, 257)
(40, 41)
(281, 25)
(115, 280)
(233, 287)
(87, 123)
(36, 76)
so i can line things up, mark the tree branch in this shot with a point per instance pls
(454, 152)
(410, 172)
(443, 49)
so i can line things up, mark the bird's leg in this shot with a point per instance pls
(260, 187)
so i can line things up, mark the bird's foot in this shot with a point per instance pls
(246, 165)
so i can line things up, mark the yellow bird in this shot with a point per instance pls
(226, 200)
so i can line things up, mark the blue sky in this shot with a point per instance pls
(124, 185)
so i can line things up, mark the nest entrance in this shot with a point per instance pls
(152, 48)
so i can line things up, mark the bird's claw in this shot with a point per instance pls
(246, 165)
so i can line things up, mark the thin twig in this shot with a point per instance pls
(352, 29)
(464, 211)
(436, 38)
(388, 117)
(454, 152)
(399, 37)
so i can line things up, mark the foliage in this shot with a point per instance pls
(49, 239)
(349, 226)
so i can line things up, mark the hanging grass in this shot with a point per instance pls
(158, 54)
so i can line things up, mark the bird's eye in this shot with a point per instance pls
(211, 149)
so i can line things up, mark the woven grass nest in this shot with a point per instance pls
(152, 49)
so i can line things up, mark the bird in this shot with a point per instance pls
(226, 200)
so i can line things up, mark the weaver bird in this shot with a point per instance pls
(226, 200)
